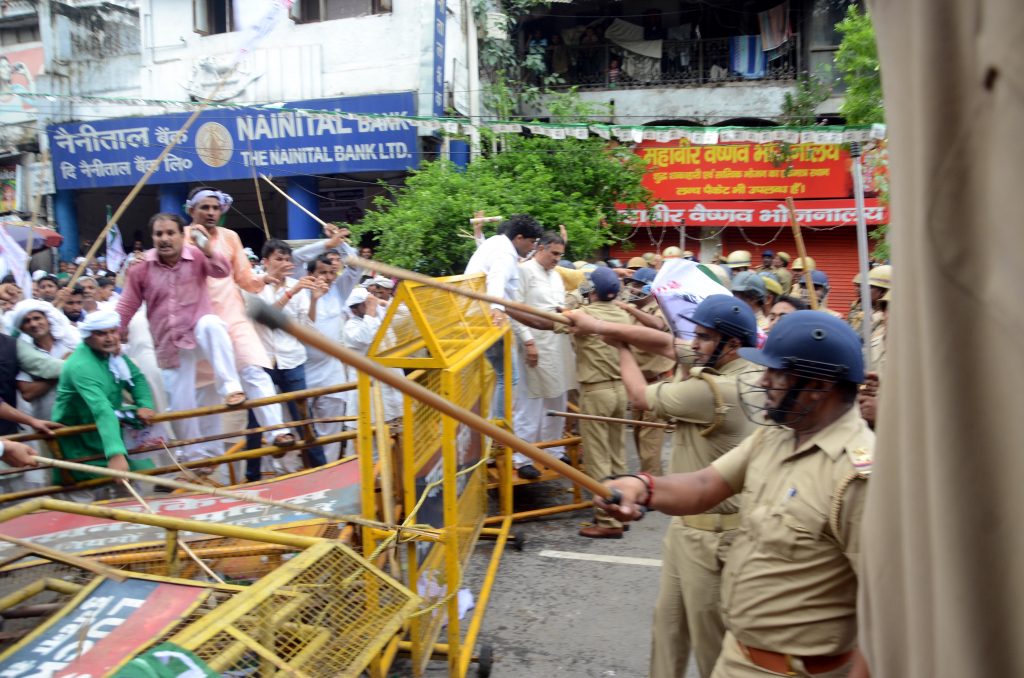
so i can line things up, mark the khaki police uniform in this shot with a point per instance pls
(789, 590)
(785, 277)
(656, 369)
(601, 393)
(689, 602)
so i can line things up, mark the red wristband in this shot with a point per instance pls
(649, 482)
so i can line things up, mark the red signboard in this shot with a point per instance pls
(810, 213)
(679, 170)
(109, 625)
(334, 488)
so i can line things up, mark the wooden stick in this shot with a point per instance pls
(259, 198)
(153, 166)
(61, 557)
(812, 297)
(273, 318)
(396, 272)
(610, 420)
(296, 202)
(205, 489)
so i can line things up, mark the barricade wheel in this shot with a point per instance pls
(518, 541)
(486, 660)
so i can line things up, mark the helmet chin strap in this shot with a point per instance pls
(779, 414)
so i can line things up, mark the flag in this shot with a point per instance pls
(256, 27)
(115, 247)
(14, 261)
(679, 288)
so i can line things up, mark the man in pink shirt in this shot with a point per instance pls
(206, 206)
(171, 280)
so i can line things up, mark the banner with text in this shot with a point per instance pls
(810, 213)
(334, 488)
(680, 170)
(228, 143)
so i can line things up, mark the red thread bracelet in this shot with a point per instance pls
(649, 483)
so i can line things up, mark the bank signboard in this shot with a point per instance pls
(301, 137)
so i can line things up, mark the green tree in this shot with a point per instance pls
(575, 182)
(858, 66)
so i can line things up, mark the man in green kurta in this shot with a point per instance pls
(100, 386)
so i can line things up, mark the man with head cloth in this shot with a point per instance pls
(206, 206)
(92, 390)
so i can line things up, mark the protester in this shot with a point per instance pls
(544, 356)
(92, 390)
(287, 354)
(172, 280)
(206, 206)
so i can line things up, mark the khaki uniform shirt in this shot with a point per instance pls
(790, 582)
(690, 405)
(652, 364)
(595, 360)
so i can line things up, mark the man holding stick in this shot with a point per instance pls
(709, 422)
(206, 206)
(789, 586)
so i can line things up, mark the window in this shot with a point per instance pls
(309, 11)
(17, 35)
(211, 17)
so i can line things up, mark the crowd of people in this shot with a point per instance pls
(771, 404)
(772, 408)
(170, 332)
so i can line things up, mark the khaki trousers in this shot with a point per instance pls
(604, 452)
(689, 608)
(733, 663)
(648, 441)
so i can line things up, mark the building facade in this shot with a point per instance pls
(276, 111)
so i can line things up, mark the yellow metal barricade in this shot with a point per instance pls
(442, 476)
(321, 610)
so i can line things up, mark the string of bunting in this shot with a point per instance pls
(830, 134)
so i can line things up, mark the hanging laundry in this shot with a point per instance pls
(746, 57)
(774, 27)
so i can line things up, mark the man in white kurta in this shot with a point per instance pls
(546, 358)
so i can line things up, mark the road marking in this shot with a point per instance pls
(620, 560)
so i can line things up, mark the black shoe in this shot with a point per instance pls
(528, 472)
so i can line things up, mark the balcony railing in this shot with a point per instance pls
(689, 62)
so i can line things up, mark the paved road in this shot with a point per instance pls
(551, 616)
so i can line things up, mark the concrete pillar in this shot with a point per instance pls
(67, 223)
(172, 198)
(300, 225)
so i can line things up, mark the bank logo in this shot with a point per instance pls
(214, 144)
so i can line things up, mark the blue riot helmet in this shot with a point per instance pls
(812, 345)
(606, 283)
(727, 315)
(638, 284)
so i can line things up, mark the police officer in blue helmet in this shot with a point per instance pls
(803, 475)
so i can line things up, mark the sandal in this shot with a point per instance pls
(235, 399)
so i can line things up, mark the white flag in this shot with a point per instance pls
(14, 261)
(255, 27)
(679, 288)
(115, 250)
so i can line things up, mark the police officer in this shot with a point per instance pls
(709, 421)
(779, 263)
(750, 287)
(601, 393)
(789, 587)
(879, 282)
(738, 261)
(656, 368)
(819, 281)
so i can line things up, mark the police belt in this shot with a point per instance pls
(776, 662)
(600, 385)
(713, 522)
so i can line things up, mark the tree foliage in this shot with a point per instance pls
(575, 182)
(858, 66)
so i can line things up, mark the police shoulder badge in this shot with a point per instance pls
(861, 460)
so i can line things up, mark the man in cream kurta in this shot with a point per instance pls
(545, 357)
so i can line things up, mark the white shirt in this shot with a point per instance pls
(554, 373)
(498, 259)
(285, 351)
(348, 277)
